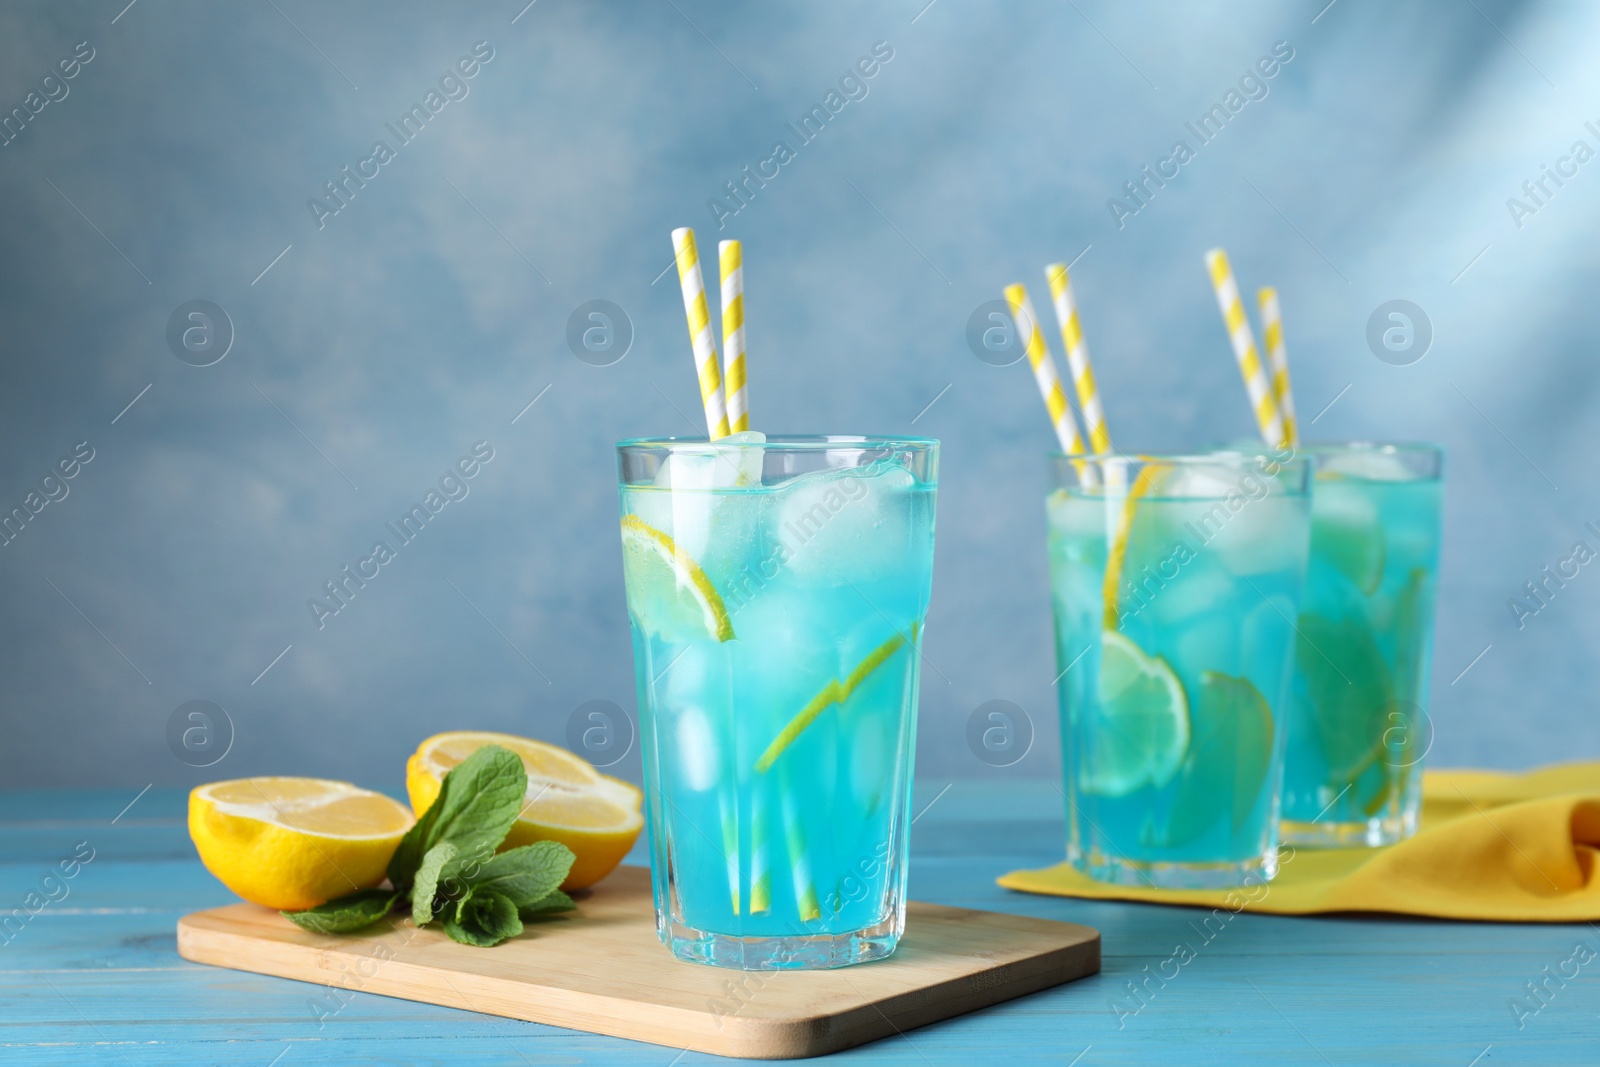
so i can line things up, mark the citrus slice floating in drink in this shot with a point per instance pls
(1347, 533)
(294, 843)
(835, 692)
(1230, 753)
(1138, 729)
(593, 814)
(1413, 609)
(668, 591)
(1349, 687)
(1117, 553)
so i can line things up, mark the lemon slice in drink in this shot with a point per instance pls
(835, 692)
(668, 591)
(1117, 552)
(1413, 609)
(1230, 753)
(1138, 729)
(1350, 689)
(1347, 531)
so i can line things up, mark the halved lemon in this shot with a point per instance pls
(294, 843)
(668, 591)
(593, 814)
(1138, 728)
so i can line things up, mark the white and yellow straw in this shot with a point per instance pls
(760, 872)
(727, 809)
(805, 889)
(1277, 360)
(1094, 419)
(1256, 383)
(700, 332)
(1044, 371)
(731, 256)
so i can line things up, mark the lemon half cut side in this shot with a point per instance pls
(294, 843)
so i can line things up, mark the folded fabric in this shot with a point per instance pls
(1491, 846)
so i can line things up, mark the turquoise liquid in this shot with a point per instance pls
(1209, 592)
(1358, 719)
(819, 574)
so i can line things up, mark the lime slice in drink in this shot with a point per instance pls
(1412, 626)
(1138, 729)
(1346, 532)
(1230, 753)
(1349, 688)
(667, 591)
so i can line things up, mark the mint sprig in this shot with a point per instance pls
(447, 868)
(478, 803)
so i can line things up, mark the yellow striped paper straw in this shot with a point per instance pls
(1044, 372)
(1094, 419)
(805, 889)
(1256, 382)
(1277, 360)
(731, 255)
(730, 844)
(760, 871)
(700, 333)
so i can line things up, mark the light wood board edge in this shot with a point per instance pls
(212, 938)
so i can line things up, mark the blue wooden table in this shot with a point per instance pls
(94, 976)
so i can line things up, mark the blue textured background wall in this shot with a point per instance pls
(373, 347)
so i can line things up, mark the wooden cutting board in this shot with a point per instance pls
(603, 970)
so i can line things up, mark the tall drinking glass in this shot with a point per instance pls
(777, 590)
(1176, 582)
(1359, 725)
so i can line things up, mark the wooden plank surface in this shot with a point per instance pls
(96, 978)
(603, 970)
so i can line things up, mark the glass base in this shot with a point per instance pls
(797, 952)
(1230, 874)
(1366, 833)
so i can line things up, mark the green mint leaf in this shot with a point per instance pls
(526, 874)
(403, 864)
(347, 914)
(478, 802)
(468, 935)
(483, 918)
(485, 801)
(551, 903)
(426, 886)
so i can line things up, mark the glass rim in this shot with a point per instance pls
(1427, 457)
(1171, 459)
(1295, 475)
(1392, 448)
(1389, 448)
(782, 443)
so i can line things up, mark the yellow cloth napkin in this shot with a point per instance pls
(1491, 846)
